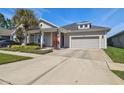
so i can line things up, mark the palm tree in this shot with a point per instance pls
(25, 18)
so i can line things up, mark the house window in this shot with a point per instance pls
(85, 25)
(102, 36)
(81, 26)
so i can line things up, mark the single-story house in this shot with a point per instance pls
(76, 35)
(5, 33)
(117, 40)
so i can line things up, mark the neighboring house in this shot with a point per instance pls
(75, 35)
(117, 40)
(5, 33)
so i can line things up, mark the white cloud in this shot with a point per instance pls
(109, 14)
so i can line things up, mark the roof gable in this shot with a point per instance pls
(46, 24)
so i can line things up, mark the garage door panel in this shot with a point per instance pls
(85, 42)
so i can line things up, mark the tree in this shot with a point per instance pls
(2, 20)
(26, 18)
(20, 35)
(6, 23)
(9, 23)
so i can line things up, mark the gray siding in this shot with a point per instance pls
(118, 41)
(47, 39)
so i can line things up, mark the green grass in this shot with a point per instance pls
(7, 58)
(119, 73)
(116, 54)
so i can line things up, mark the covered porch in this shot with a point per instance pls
(45, 37)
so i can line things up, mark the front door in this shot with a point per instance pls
(62, 40)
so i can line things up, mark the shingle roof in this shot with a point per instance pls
(84, 22)
(74, 26)
(5, 32)
(120, 33)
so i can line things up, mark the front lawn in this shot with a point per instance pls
(116, 54)
(7, 58)
(119, 73)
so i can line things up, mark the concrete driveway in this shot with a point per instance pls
(65, 66)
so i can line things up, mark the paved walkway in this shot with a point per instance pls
(66, 66)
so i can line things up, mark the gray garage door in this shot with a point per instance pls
(85, 42)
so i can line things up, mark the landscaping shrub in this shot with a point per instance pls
(37, 51)
(28, 50)
(9, 49)
(34, 44)
(25, 47)
(16, 46)
(31, 47)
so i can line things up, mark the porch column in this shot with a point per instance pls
(25, 39)
(42, 39)
(14, 37)
(11, 37)
(58, 38)
(28, 38)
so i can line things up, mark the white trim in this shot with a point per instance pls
(100, 41)
(83, 26)
(105, 40)
(28, 38)
(42, 40)
(70, 37)
(49, 22)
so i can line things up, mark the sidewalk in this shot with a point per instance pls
(111, 64)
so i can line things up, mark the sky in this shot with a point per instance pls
(108, 17)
